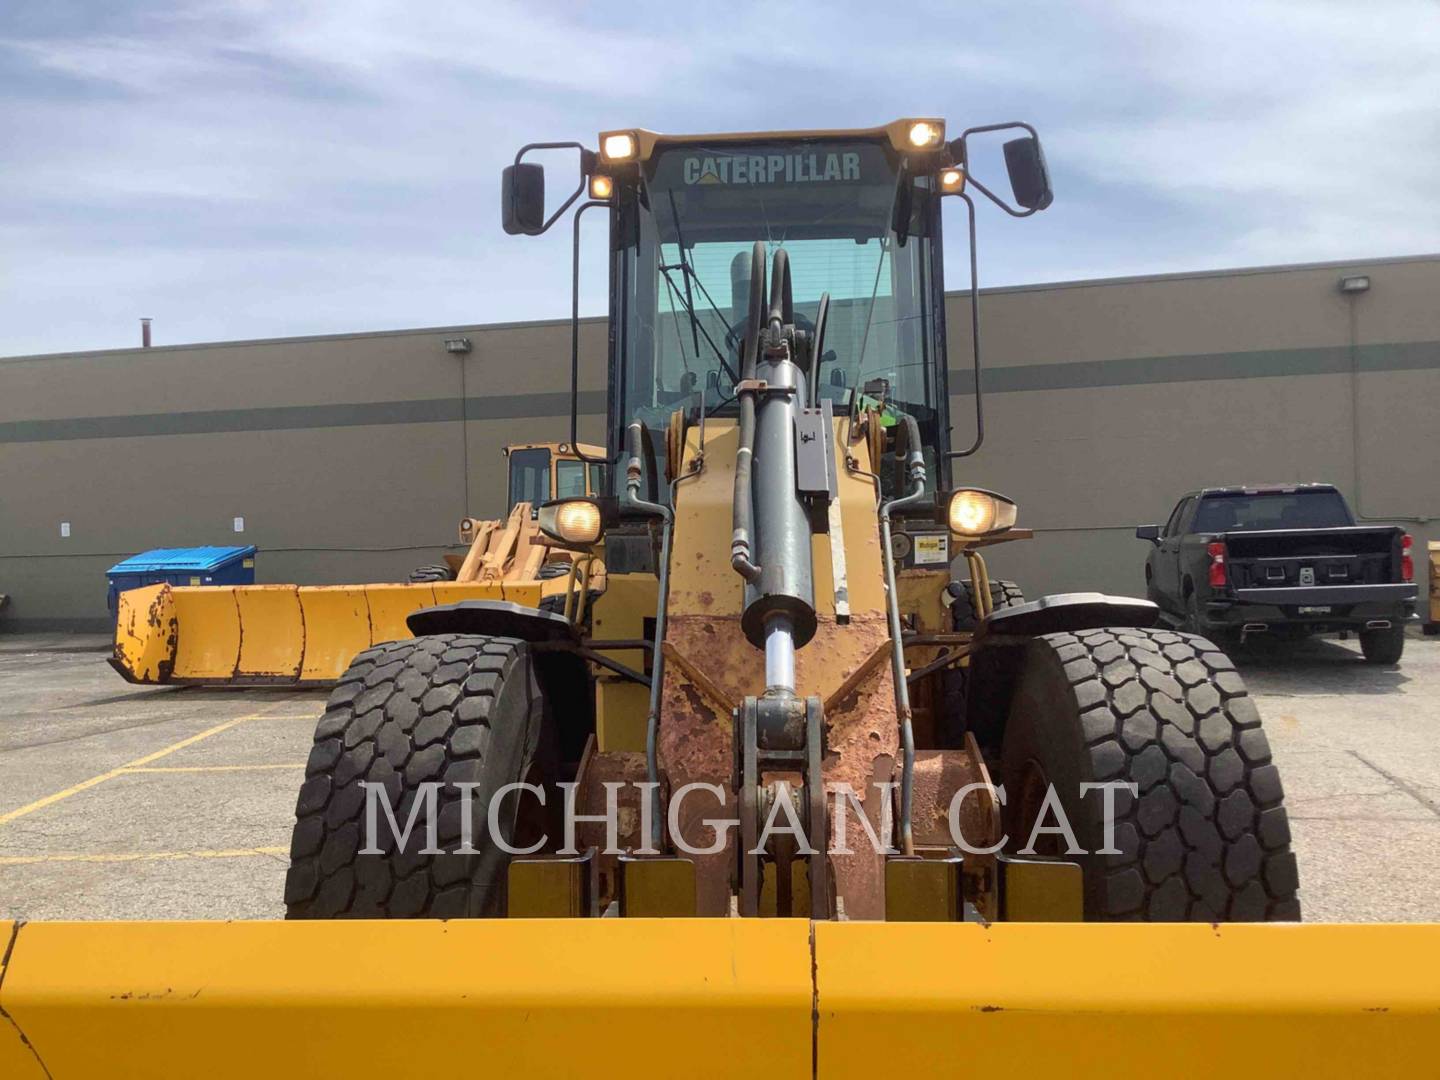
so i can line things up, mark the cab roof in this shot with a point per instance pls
(1264, 489)
(896, 131)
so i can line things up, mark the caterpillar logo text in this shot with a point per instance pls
(772, 168)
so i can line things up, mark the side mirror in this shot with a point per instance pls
(522, 199)
(1029, 178)
(1148, 532)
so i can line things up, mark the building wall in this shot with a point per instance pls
(352, 457)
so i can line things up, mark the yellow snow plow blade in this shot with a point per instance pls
(1125, 1000)
(284, 634)
(415, 998)
(717, 997)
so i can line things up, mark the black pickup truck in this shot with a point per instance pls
(1286, 560)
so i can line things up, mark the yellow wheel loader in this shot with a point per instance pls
(308, 634)
(775, 803)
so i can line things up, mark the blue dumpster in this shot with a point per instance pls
(181, 566)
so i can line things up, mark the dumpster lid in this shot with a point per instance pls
(179, 560)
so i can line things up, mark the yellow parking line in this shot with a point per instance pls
(141, 856)
(85, 785)
(213, 768)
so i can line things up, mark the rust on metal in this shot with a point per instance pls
(597, 769)
(843, 692)
(697, 680)
(696, 744)
(939, 776)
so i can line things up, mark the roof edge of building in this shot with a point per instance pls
(997, 290)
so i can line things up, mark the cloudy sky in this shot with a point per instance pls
(242, 168)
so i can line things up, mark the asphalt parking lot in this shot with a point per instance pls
(172, 803)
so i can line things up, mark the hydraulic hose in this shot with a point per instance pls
(782, 302)
(915, 462)
(817, 350)
(634, 439)
(743, 513)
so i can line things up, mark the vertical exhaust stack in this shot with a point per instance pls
(145, 333)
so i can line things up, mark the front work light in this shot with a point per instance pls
(952, 181)
(601, 187)
(572, 523)
(977, 513)
(926, 134)
(618, 146)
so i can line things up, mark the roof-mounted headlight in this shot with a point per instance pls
(618, 146)
(925, 134)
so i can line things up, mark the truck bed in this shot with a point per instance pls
(1303, 558)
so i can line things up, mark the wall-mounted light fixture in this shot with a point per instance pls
(1356, 283)
(457, 345)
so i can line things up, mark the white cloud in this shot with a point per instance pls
(248, 168)
(1302, 130)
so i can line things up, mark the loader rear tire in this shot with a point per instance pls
(1206, 837)
(954, 687)
(424, 574)
(1003, 594)
(443, 709)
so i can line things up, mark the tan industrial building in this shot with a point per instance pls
(352, 457)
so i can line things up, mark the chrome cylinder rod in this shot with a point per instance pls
(779, 653)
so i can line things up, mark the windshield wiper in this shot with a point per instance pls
(696, 326)
(688, 274)
(685, 272)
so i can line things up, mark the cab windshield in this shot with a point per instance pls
(684, 247)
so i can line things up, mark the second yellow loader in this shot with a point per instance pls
(308, 634)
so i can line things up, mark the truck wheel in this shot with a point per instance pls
(1383, 646)
(1151, 593)
(1003, 594)
(1205, 837)
(423, 574)
(1194, 621)
(416, 717)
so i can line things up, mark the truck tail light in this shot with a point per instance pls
(1407, 562)
(1217, 565)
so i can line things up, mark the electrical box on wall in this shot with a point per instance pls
(239, 524)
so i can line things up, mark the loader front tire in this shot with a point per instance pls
(1205, 837)
(416, 717)
(423, 575)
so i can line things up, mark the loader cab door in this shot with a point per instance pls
(529, 476)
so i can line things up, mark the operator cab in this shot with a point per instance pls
(684, 230)
(858, 215)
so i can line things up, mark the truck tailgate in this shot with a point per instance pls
(1307, 558)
